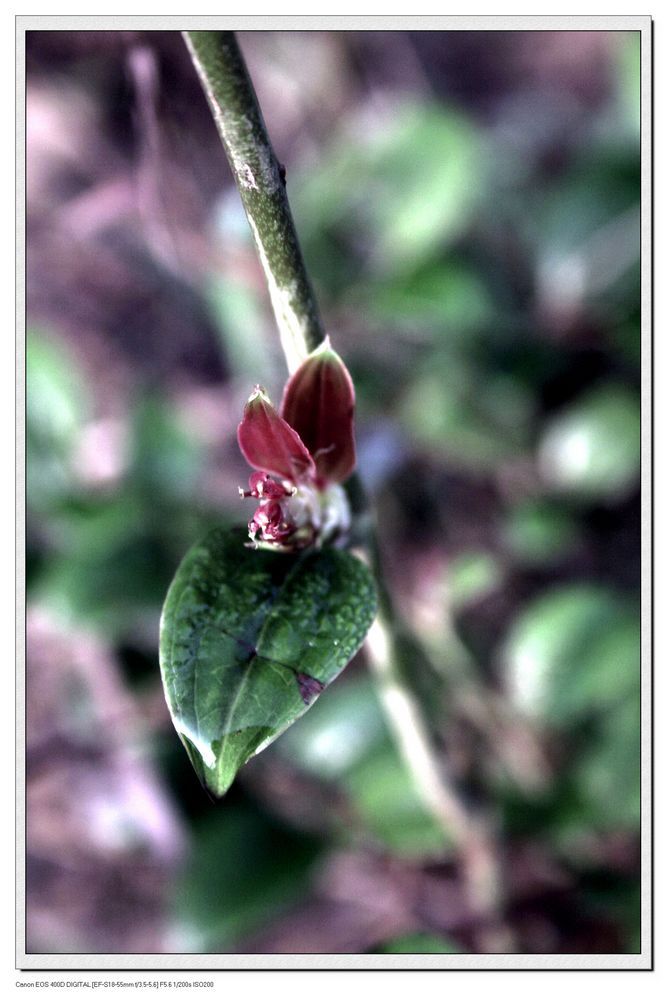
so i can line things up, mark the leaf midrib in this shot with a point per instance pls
(271, 602)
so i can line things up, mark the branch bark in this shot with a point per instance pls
(261, 183)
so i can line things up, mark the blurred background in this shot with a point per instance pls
(468, 206)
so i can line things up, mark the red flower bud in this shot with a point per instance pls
(318, 403)
(269, 444)
(262, 487)
(308, 449)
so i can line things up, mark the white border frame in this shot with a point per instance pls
(216, 963)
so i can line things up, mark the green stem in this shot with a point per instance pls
(261, 184)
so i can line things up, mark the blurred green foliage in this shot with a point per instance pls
(471, 576)
(571, 652)
(100, 556)
(540, 532)
(572, 661)
(486, 298)
(421, 944)
(592, 450)
(56, 408)
(344, 739)
(423, 174)
(244, 869)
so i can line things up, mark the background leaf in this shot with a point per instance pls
(573, 653)
(249, 639)
(243, 865)
(592, 449)
(420, 944)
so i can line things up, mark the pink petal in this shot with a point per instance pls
(318, 402)
(269, 444)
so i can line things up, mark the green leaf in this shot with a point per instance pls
(446, 297)
(237, 310)
(384, 798)
(345, 739)
(243, 870)
(420, 944)
(57, 407)
(167, 457)
(572, 653)
(539, 533)
(403, 190)
(628, 83)
(249, 639)
(475, 419)
(472, 576)
(429, 173)
(340, 732)
(606, 773)
(592, 450)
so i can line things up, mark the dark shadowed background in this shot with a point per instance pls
(468, 205)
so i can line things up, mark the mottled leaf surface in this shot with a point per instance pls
(249, 639)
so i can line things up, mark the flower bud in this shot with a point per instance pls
(318, 404)
(269, 444)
